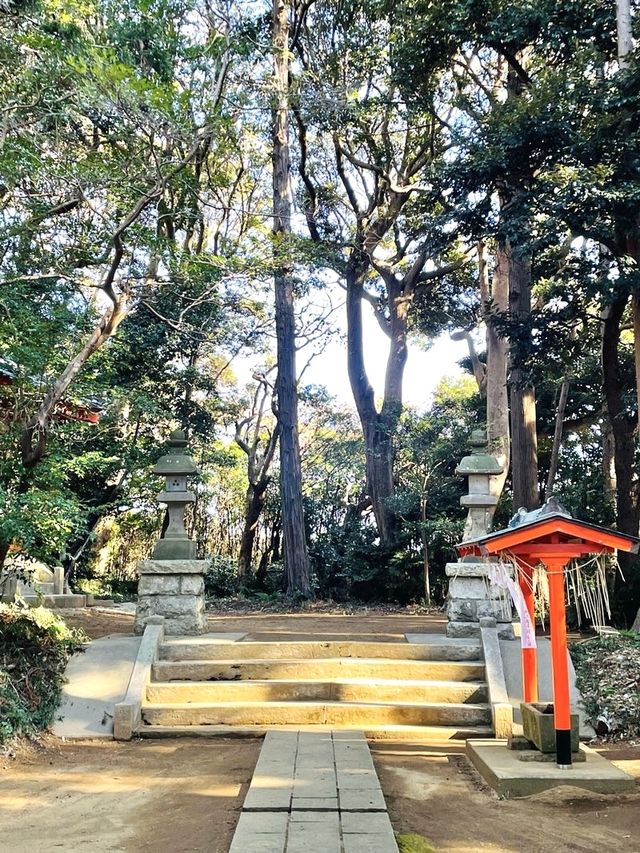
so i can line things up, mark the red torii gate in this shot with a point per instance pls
(549, 536)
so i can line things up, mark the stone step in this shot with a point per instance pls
(324, 669)
(411, 734)
(359, 714)
(342, 690)
(311, 649)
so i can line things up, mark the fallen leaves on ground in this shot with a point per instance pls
(608, 676)
(243, 606)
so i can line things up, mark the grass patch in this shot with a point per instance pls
(35, 646)
(414, 844)
(608, 676)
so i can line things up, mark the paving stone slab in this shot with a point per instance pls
(245, 843)
(314, 793)
(366, 823)
(263, 823)
(324, 804)
(362, 801)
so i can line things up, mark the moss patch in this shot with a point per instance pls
(414, 844)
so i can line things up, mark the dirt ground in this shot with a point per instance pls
(101, 796)
(434, 792)
(185, 795)
(372, 624)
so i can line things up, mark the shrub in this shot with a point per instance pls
(35, 646)
(222, 580)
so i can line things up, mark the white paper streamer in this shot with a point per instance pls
(499, 576)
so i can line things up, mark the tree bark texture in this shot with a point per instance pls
(608, 459)
(495, 298)
(524, 436)
(254, 504)
(33, 442)
(557, 436)
(625, 36)
(622, 426)
(296, 558)
(378, 427)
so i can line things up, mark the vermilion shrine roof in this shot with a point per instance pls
(531, 532)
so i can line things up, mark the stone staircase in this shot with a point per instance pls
(428, 692)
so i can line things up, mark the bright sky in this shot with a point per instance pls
(423, 371)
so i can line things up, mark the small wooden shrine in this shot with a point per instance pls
(549, 537)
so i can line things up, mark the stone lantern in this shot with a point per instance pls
(176, 466)
(171, 583)
(478, 467)
(471, 596)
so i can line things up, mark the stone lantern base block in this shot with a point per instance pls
(471, 597)
(173, 589)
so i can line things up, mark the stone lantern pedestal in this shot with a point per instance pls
(171, 583)
(470, 596)
(173, 589)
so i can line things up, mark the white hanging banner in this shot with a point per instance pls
(498, 575)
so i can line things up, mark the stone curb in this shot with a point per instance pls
(128, 713)
(501, 708)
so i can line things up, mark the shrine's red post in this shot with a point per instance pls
(560, 669)
(529, 656)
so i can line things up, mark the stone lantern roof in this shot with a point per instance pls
(177, 460)
(479, 462)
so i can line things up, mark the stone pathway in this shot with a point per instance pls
(314, 792)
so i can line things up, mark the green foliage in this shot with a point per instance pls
(35, 646)
(221, 579)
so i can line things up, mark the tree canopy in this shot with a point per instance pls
(196, 197)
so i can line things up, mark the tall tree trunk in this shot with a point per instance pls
(524, 436)
(622, 427)
(625, 35)
(33, 442)
(557, 437)
(378, 427)
(496, 295)
(608, 459)
(254, 504)
(625, 47)
(296, 558)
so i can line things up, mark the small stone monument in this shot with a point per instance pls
(171, 583)
(470, 595)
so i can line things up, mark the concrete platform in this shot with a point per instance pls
(97, 678)
(502, 769)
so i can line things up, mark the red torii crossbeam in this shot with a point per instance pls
(549, 536)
